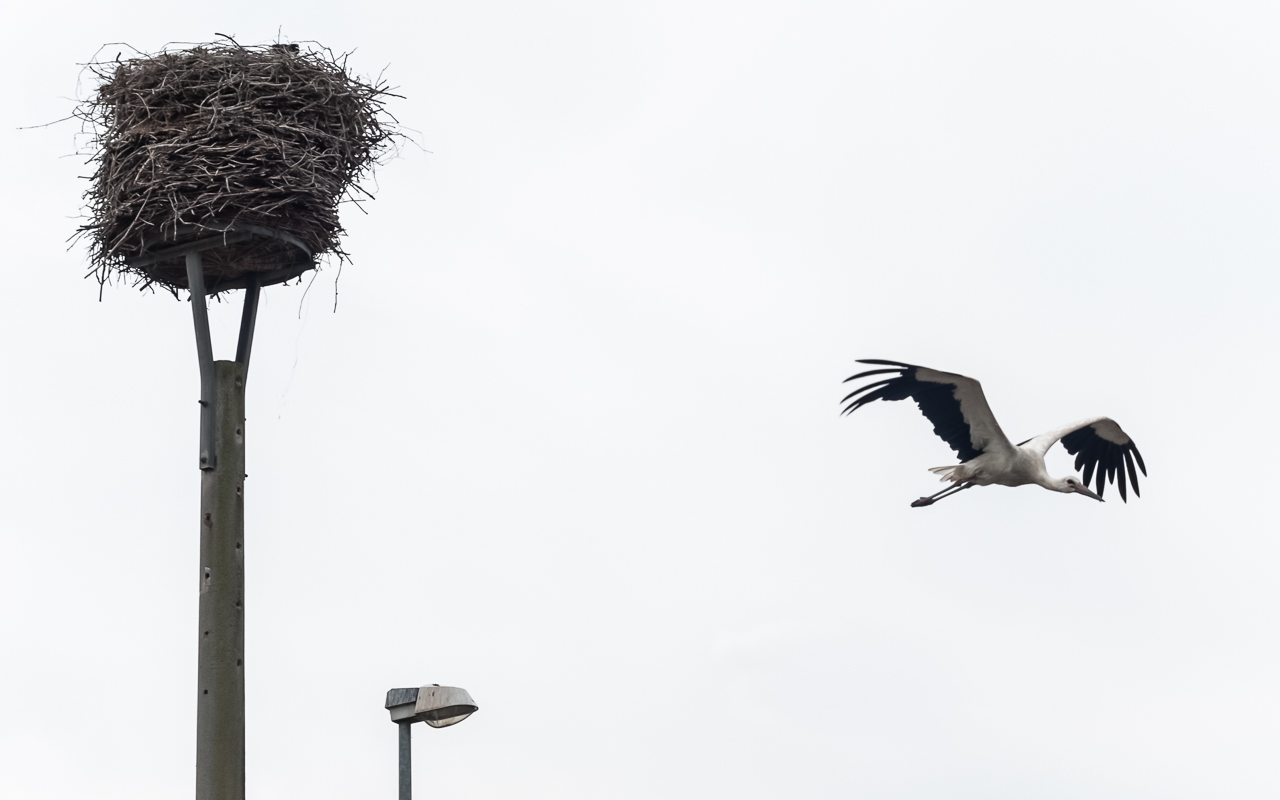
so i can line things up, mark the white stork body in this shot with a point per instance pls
(961, 417)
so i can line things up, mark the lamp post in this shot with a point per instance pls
(438, 706)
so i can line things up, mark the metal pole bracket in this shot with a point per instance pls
(204, 349)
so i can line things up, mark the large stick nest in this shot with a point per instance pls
(189, 141)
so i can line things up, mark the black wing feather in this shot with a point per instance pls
(862, 389)
(870, 372)
(1133, 474)
(1138, 456)
(937, 401)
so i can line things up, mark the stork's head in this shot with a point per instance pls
(1071, 484)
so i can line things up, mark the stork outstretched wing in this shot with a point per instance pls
(1100, 447)
(953, 403)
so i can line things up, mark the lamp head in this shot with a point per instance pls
(438, 706)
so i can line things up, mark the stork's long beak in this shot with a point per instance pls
(1082, 490)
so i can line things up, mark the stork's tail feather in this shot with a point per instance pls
(947, 473)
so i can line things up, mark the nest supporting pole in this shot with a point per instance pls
(220, 737)
(248, 319)
(204, 352)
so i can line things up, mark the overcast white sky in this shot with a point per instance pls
(571, 440)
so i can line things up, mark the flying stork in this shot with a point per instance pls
(961, 417)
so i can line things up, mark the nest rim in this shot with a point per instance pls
(184, 239)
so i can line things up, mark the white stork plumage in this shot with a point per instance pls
(960, 415)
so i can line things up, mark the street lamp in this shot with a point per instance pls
(438, 706)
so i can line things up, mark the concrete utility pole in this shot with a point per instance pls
(220, 746)
(220, 742)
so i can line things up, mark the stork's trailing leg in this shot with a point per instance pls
(947, 492)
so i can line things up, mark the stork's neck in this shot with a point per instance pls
(1039, 475)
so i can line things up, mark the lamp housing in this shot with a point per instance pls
(438, 706)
